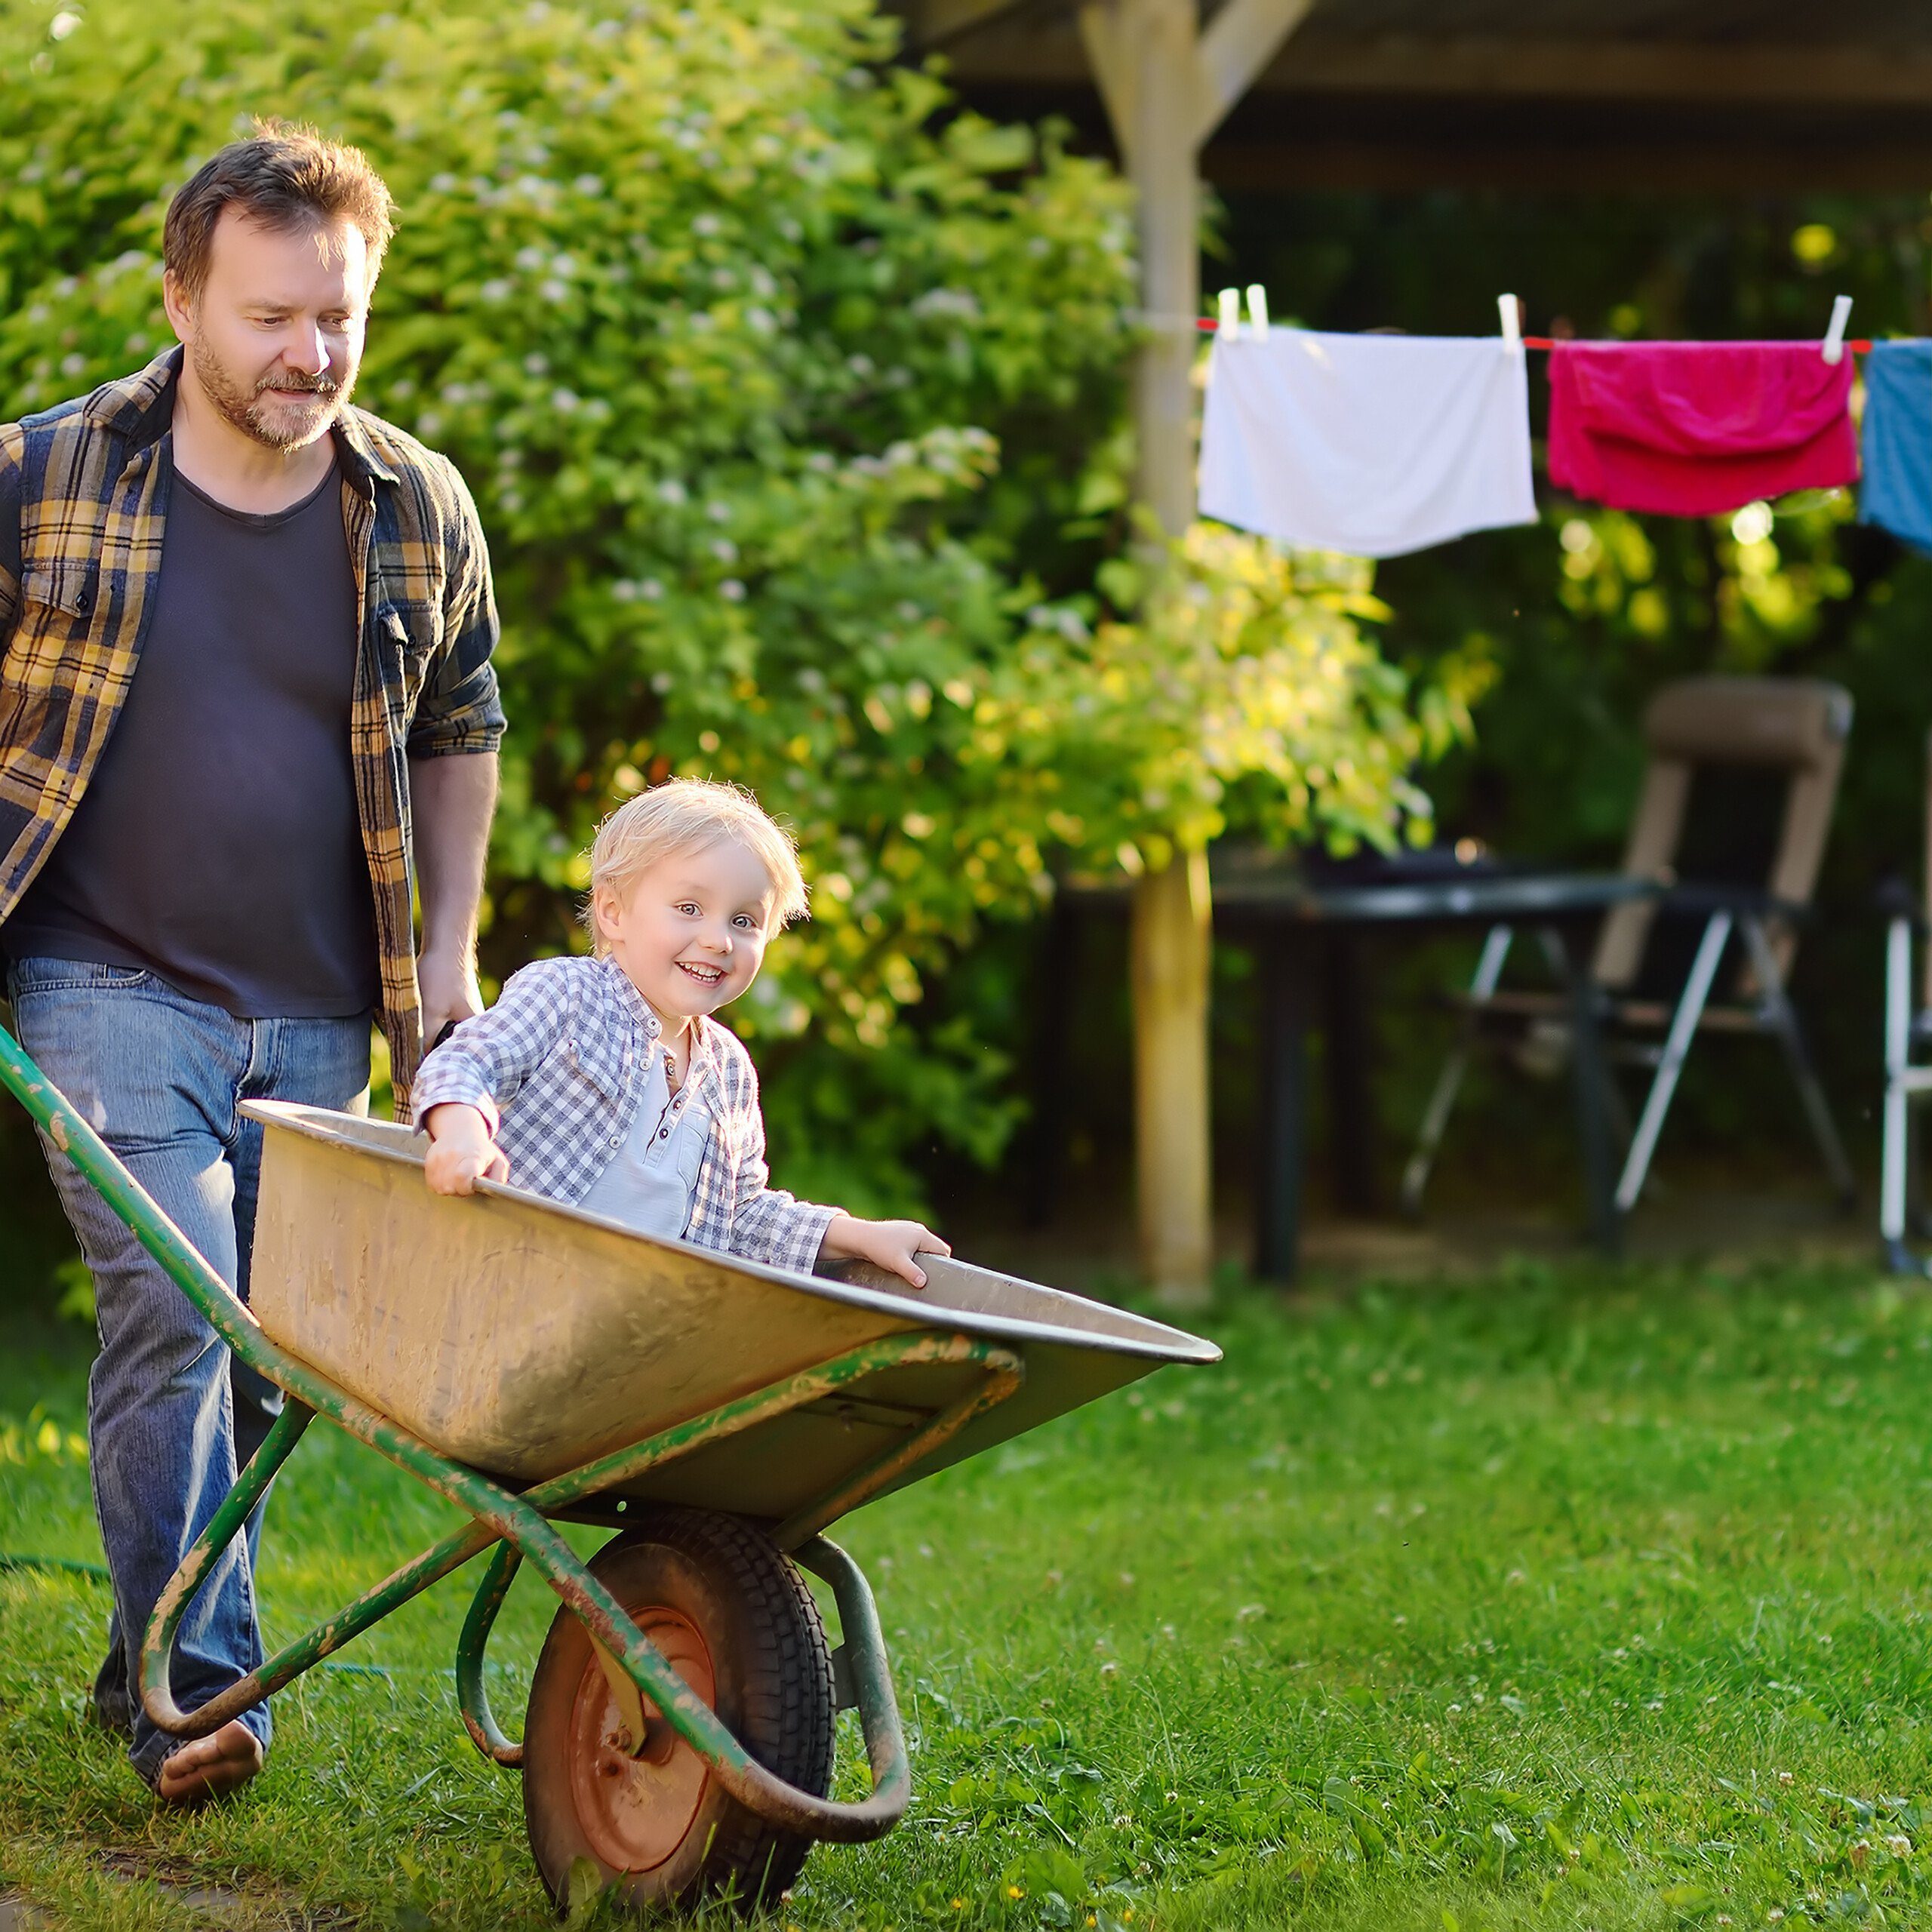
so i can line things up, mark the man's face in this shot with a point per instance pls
(275, 337)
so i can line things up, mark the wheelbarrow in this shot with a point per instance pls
(535, 1364)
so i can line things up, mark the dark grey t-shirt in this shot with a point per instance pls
(218, 844)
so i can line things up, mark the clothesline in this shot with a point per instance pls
(1209, 325)
(1375, 445)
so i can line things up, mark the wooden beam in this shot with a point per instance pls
(1711, 73)
(932, 23)
(1026, 52)
(1687, 160)
(1107, 34)
(1240, 41)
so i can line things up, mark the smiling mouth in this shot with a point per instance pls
(705, 976)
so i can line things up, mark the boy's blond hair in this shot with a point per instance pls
(687, 815)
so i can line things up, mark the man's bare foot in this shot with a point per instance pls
(211, 1766)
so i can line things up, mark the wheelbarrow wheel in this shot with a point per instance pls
(736, 1620)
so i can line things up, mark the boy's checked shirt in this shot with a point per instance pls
(558, 1068)
(89, 482)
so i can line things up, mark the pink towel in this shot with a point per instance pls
(1694, 429)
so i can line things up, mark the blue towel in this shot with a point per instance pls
(1897, 491)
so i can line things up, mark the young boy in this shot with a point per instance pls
(605, 1082)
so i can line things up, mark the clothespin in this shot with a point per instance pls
(1257, 310)
(1513, 322)
(1833, 345)
(1230, 304)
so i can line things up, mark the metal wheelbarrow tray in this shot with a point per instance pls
(532, 1363)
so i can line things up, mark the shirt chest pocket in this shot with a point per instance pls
(693, 1142)
(594, 1073)
(52, 626)
(408, 636)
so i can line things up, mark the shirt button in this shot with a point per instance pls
(663, 1132)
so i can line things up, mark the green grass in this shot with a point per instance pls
(1568, 1599)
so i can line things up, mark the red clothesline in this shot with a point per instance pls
(1859, 346)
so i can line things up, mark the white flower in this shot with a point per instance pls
(959, 302)
(495, 290)
(732, 591)
(706, 224)
(564, 401)
(443, 184)
(530, 259)
(590, 184)
(672, 491)
(553, 291)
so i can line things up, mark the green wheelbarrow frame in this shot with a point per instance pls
(520, 1525)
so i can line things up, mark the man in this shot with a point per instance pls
(245, 682)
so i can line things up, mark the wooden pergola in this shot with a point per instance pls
(1718, 96)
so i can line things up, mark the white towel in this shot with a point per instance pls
(1370, 445)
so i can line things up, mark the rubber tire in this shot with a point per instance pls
(775, 1692)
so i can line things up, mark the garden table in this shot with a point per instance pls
(1294, 917)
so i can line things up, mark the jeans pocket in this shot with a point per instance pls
(26, 976)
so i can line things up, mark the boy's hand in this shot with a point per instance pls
(892, 1245)
(461, 1152)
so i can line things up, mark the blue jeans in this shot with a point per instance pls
(159, 1075)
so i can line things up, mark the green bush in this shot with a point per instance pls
(791, 397)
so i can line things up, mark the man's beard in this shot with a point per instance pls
(271, 423)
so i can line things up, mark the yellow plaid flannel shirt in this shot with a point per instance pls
(90, 481)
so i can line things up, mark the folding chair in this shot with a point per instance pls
(1740, 745)
(1907, 1032)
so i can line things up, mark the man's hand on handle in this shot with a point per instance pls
(447, 978)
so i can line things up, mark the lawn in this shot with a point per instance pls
(1569, 1598)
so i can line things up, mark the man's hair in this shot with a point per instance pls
(286, 178)
(687, 815)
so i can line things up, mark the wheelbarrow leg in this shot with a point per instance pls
(228, 1521)
(473, 1695)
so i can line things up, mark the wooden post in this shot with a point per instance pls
(1169, 951)
(1166, 89)
(1172, 922)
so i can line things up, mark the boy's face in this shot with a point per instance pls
(691, 934)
